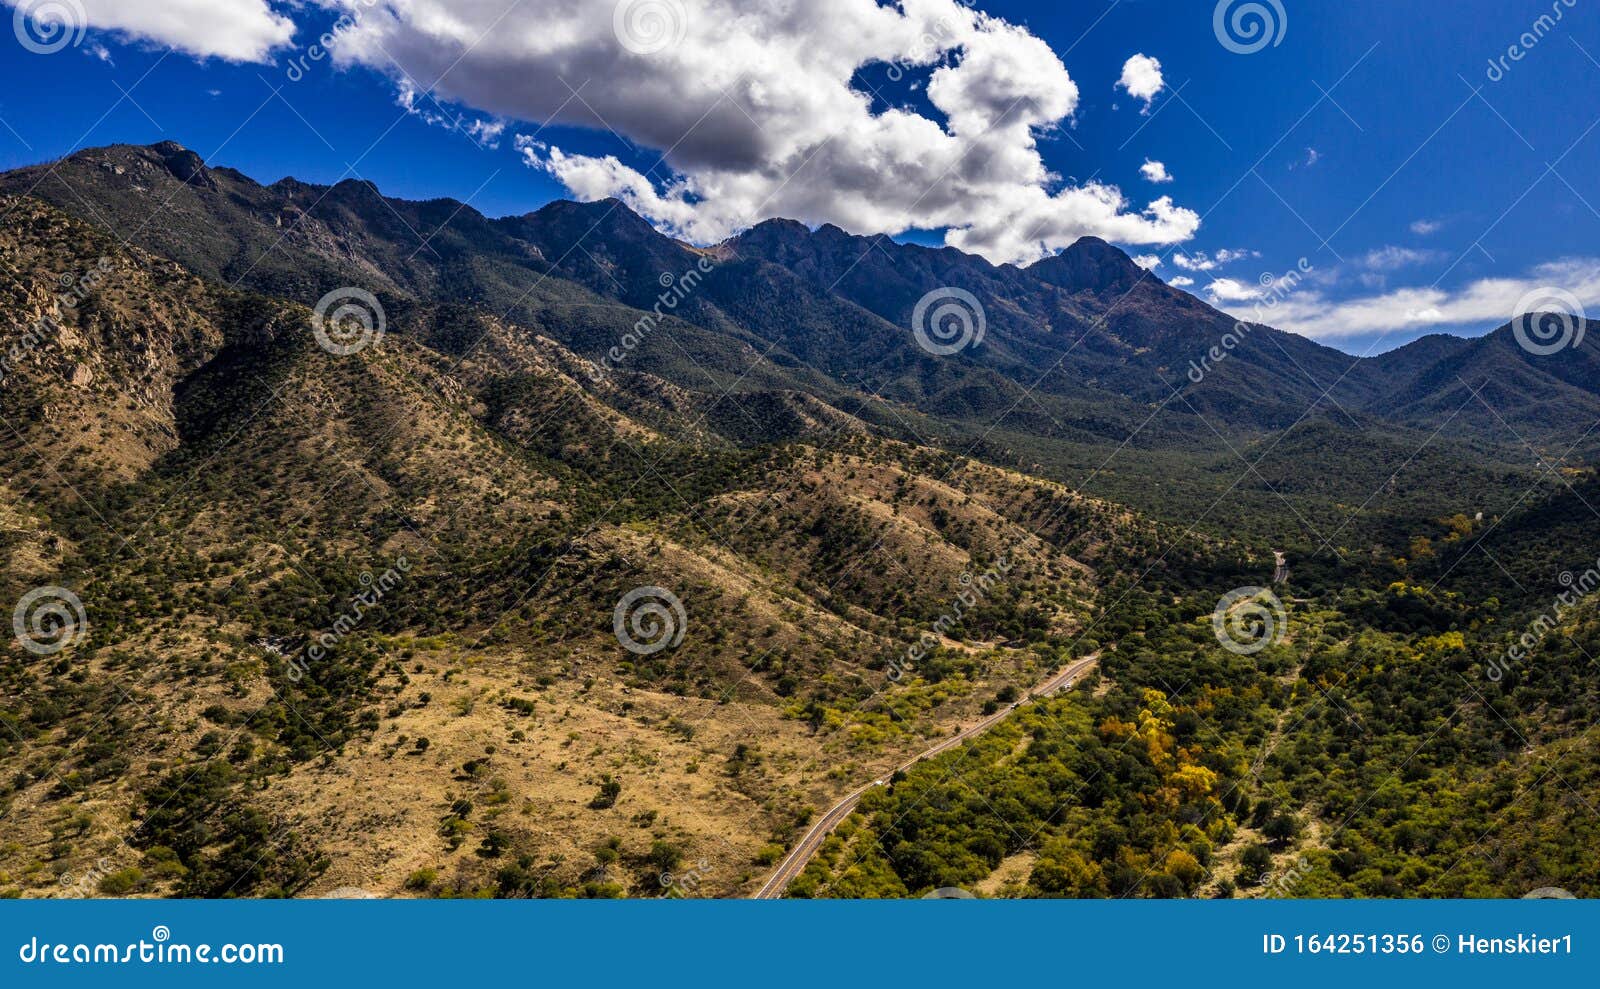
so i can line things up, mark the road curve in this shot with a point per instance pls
(795, 862)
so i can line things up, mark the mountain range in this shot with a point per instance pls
(1080, 351)
(233, 409)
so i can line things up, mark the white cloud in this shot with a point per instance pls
(234, 30)
(1181, 281)
(1392, 258)
(1423, 228)
(1484, 304)
(1155, 171)
(1149, 262)
(1232, 290)
(484, 133)
(1141, 77)
(1201, 261)
(752, 105)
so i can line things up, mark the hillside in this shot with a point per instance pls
(514, 586)
(220, 492)
(1083, 353)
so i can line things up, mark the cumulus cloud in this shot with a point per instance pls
(1149, 262)
(1181, 281)
(752, 106)
(1198, 261)
(1141, 77)
(1232, 290)
(1480, 305)
(233, 30)
(1423, 228)
(1155, 171)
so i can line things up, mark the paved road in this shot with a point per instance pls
(795, 862)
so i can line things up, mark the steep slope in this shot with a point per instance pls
(322, 591)
(1085, 322)
(300, 241)
(1084, 354)
(1494, 386)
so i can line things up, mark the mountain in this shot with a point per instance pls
(299, 566)
(1077, 337)
(361, 615)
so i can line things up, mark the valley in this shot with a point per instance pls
(518, 581)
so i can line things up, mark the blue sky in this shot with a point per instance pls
(1424, 190)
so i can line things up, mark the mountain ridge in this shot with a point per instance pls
(1077, 349)
(358, 616)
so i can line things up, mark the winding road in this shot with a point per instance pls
(795, 862)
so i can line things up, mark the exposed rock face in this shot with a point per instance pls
(1089, 265)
